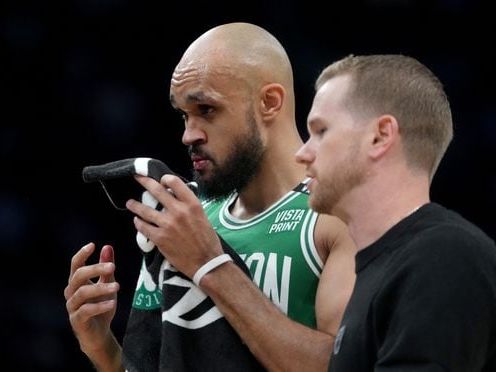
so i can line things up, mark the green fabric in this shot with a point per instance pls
(278, 248)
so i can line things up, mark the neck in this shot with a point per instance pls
(386, 203)
(278, 174)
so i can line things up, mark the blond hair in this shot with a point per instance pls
(406, 89)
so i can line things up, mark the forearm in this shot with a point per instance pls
(279, 343)
(107, 357)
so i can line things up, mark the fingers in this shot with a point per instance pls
(175, 189)
(83, 275)
(157, 190)
(107, 255)
(89, 310)
(150, 231)
(179, 188)
(145, 212)
(86, 297)
(91, 306)
(173, 198)
(79, 259)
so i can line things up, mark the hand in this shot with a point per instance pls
(92, 305)
(181, 231)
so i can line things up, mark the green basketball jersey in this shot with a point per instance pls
(278, 248)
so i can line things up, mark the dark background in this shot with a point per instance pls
(86, 82)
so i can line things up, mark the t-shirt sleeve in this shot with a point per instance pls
(436, 309)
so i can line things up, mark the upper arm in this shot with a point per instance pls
(337, 251)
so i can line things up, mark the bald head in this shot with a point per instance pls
(234, 89)
(240, 51)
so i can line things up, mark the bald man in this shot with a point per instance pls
(234, 89)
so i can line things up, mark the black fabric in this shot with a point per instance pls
(117, 179)
(151, 344)
(125, 168)
(184, 331)
(424, 299)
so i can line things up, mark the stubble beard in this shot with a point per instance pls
(331, 188)
(239, 168)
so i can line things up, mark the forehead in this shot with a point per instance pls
(195, 82)
(330, 98)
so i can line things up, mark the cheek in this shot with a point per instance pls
(221, 146)
(326, 154)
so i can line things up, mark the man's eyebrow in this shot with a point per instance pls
(194, 97)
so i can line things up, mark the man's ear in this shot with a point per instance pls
(385, 134)
(271, 99)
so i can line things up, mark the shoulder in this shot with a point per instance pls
(451, 251)
(445, 265)
(453, 238)
(331, 235)
(446, 228)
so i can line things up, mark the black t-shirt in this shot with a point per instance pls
(424, 299)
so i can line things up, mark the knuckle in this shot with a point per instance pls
(75, 319)
(174, 180)
(161, 234)
(83, 293)
(182, 214)
(196, 209)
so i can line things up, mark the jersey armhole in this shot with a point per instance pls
(307, 241)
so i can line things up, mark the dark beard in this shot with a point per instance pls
(238, 169)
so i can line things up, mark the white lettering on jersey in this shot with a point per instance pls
(257, 259)
(277, 292)
(286, 220)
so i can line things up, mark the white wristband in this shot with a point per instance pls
(209, 266)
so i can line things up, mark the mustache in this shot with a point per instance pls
(198, 151)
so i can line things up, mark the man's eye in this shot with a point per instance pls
(184, 115)
(205, 109)
(321, 131)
